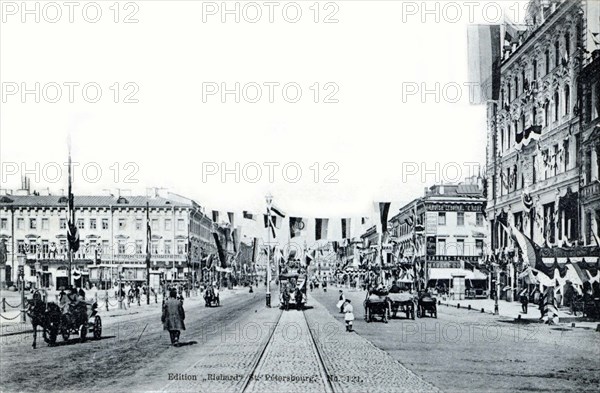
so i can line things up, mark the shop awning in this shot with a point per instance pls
(447, 274)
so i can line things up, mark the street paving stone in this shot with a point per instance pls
(290, 363)
(228, 355)
(356, 365)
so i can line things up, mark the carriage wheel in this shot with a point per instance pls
(97, 327)
(64, 332)
(83, 332)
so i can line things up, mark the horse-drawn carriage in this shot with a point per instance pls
(292, 291)
(211, 297)
(377, 304)
(404, 303)
(80, 318)
(426, 304)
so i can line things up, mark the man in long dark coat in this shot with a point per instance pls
(173, 316)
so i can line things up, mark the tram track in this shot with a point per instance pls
(251, 385)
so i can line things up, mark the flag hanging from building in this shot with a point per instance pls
(220, 250)
(346, 228)
(384, 208)
(255, 249)
(72, 232)
(310, 256)
(248, 215)
(484, 57)
(321, 228)
(297, 225)
(231, 217)
(215, 216)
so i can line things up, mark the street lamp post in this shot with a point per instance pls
(21, 261)
(269, 200)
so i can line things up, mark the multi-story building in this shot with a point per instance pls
(535, 130)
(589, 81)
(444, 233)
(112, 234)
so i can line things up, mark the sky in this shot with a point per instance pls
(161, 121)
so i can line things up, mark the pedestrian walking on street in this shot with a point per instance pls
(173, 316)
(524, 300)
(348, 314)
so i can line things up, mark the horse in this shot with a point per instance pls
(45, 315)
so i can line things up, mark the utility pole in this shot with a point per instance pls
(269, 200)
(148, 253)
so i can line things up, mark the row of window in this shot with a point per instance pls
(460, 219)
(122, 247)
(458, 247)
(513, 90)
(92, 223)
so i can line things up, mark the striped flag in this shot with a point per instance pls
(484, 57)
(346, 228)
(277, 211)
(249, 216)
(270, 222)
(384, 208)
(321, 225)
(215, 216)
(222, 257)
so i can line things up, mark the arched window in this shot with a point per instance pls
(547, 56)
(546, 113)
(516, 86)
(556, 54)
(568, 43)
(509, 91)
(567, 99)
(556, 105)
(535, 69)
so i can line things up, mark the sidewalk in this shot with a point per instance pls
(10, 321)
(507, 309)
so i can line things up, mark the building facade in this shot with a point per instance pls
(112, 234)
(536, 135)
(442, 233)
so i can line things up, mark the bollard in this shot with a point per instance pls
(519, 317)
(3, 304)
(482, 311)
(598, 328)
(469, 307)
(457, 305)
(573, 324)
